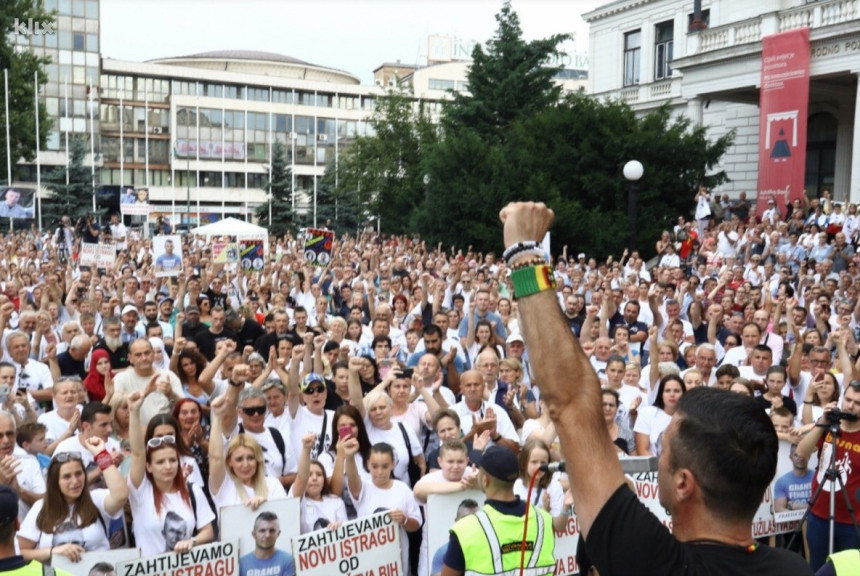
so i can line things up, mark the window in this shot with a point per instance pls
(632, 52)
(663, 44)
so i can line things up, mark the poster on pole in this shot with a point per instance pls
(318, 247)
(98, 255)
(167, 255)
(101, 563)
(221, 558)
(225, 252)
(369, 545)
(783, 106)
(272, 525)
(252, 254)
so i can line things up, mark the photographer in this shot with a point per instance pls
(847, 459)
(88, 229)
(64, 238)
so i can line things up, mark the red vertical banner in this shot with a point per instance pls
(782, 124)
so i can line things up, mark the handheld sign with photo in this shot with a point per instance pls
(218, 558)
(252, 254)
(318, 247)
(274, 518)
(442, 511)
(225, 252)
(167, 255)
(99, 563)
(369, 546)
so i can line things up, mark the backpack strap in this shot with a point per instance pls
(281, 445)
(320, 447)
(405, 438)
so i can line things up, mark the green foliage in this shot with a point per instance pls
(74, 199)
(280, 186)
(382, 175)
(338, 208)
(515, 137)
(22, 66)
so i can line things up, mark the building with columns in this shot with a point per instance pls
(647, 52)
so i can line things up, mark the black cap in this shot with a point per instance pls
(8, 505)
(499, 462)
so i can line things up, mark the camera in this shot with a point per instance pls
(835, 416)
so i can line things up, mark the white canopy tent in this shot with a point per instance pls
(232, 227)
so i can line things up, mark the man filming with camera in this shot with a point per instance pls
(846, 461)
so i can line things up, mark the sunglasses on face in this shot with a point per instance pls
(64, 457)
(168, 440)
(254, 410)
(314, 390)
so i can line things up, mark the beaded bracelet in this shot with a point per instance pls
(528, 263)
(532, 279)
(515, 249)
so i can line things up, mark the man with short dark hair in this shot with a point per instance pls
(266, 559)
(96, 421)
(207, 340)
(719, 454)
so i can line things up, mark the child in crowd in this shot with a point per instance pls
(547, 493)
(320, 508)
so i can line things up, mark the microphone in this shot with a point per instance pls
(554, 467)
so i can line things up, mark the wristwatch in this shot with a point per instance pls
(235, 384)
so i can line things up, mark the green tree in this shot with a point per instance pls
(22, 65)
(336, 204)
(74, 199)
(469, 170)
(280, 186)
(382, 174)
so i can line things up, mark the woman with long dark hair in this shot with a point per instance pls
(653, 420)
(72, 519)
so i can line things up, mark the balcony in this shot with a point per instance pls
(817, 15)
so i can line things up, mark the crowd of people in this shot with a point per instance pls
(134, 403)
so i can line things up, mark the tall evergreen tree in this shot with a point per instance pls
(280, 186)
(74, 199)
(22, 65)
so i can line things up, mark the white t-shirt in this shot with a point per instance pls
(228, 495)
(29, 478)
(55, 424)
(92, 537)
(372, 500)
(275, 465)
(156, 402)
(34, 376)
(307, 422)
(176, 519)
(652, 422)
(504, 426)
(317, 514)
(555, 491)
(394, 437)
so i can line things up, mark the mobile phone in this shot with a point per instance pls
(407, 372)
(4, 393)
(344, 431)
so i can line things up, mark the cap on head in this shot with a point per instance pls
(129, 308)
(310, 379)
(192, 310)
(515, 338)
(8, 505)
(499, 462)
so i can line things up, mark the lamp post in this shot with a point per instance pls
(633, 171)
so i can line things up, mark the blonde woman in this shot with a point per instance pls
(239, 475)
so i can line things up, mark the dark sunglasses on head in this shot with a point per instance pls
(273, 384)
(167, 440)
(258, 410)
(314, 390)
(64, 457)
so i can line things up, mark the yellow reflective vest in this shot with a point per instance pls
(846, 563)
(491, 543)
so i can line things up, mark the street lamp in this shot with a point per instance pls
(633, 171)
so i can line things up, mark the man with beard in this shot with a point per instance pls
(191, 325)
(452, 364)
(150, 315)
(112, 343)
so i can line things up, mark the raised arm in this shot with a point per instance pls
(116, 484)
(136, 437)
(217, 464)
(355, 395)
(593, 467)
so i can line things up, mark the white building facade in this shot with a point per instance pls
(647, 52)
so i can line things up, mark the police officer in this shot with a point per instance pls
(490, 541)
(11, 563)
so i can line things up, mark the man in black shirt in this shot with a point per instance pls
(718, 453)
(208, 339)
(247, 331)
(71, 362)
